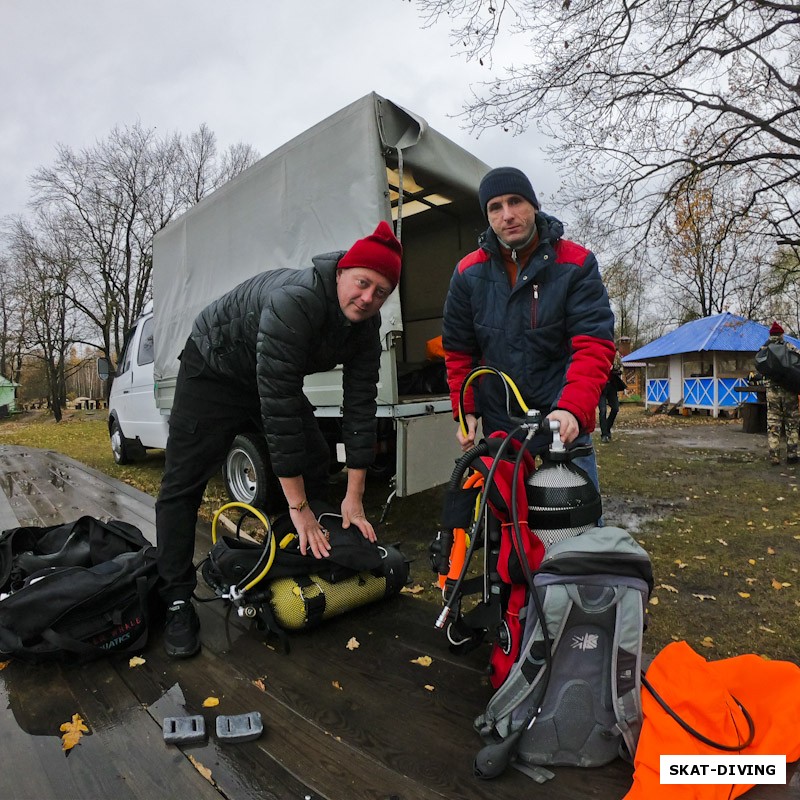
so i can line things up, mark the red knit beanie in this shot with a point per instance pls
(776, 329)
(380, 251)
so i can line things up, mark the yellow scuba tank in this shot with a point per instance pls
(281, 589)
(303, 601)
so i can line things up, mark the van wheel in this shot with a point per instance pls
(119, 444)
(249, 477)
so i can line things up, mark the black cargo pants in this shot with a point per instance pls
(207, 413)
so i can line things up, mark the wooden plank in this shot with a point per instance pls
(46, 488)
(122, 756)
(339, 723)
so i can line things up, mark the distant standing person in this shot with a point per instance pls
(783, 413)
(532, 304)
(244, 363)
(609, 398)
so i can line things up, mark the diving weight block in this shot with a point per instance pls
(184, 730)
(240, 727)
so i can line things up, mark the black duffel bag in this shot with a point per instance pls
(75, 592)
(780, 363)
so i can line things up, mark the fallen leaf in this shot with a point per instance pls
(210, 702)
(429, 687)
(765, 629)
(707, 641)
(653, 601)
(723, 542)
(204, 771)
(771, 551)
(751, 562)
(744, 594)
(352, 644)
(750, 581)
(701, 558)
(259, 684)
(776, 584)
(423, 661)
(337, 685)
(704, 596)
(136, 661)
(668, 587)
(415, 589)
(72, 732)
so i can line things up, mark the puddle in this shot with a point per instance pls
(35, 712)
(632, 515)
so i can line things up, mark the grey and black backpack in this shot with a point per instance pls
(572, 698)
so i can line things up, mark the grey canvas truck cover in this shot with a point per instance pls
(320, 192)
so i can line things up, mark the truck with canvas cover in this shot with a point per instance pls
(320, 192)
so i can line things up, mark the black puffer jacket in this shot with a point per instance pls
(272, 330)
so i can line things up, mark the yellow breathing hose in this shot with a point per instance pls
(268, 528)
(477, 372)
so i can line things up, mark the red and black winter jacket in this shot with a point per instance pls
(552, 333)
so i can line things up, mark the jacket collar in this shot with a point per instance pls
(550, 231)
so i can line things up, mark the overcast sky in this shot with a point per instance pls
(255, 71)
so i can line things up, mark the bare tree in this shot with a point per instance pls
(203, 169)
(102, 195)
(712, 262)
(12, 322)
(641, 97)
(111, 199)
(46, 268)
(784, 302)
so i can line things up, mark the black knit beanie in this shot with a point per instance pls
(505, 180)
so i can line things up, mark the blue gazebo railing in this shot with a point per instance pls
(699, 392)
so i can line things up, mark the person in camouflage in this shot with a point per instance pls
(783, 412)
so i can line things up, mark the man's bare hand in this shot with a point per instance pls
(569, 429)
(467, 441)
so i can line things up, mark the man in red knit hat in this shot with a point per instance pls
(246, 359)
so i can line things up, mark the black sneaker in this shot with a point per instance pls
(182, 631)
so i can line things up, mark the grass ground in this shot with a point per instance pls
(721, 526)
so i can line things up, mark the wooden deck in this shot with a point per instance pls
(338, 723)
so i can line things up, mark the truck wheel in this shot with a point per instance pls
(119, 444)
(249, 477)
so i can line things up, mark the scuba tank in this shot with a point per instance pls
(562, 500)
(280, 589)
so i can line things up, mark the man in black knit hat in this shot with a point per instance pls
(532, 304)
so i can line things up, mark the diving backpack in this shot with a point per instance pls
(578, 674)
(780, 363)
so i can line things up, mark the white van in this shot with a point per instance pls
(134, 421)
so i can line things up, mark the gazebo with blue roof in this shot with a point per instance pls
(700, 363)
